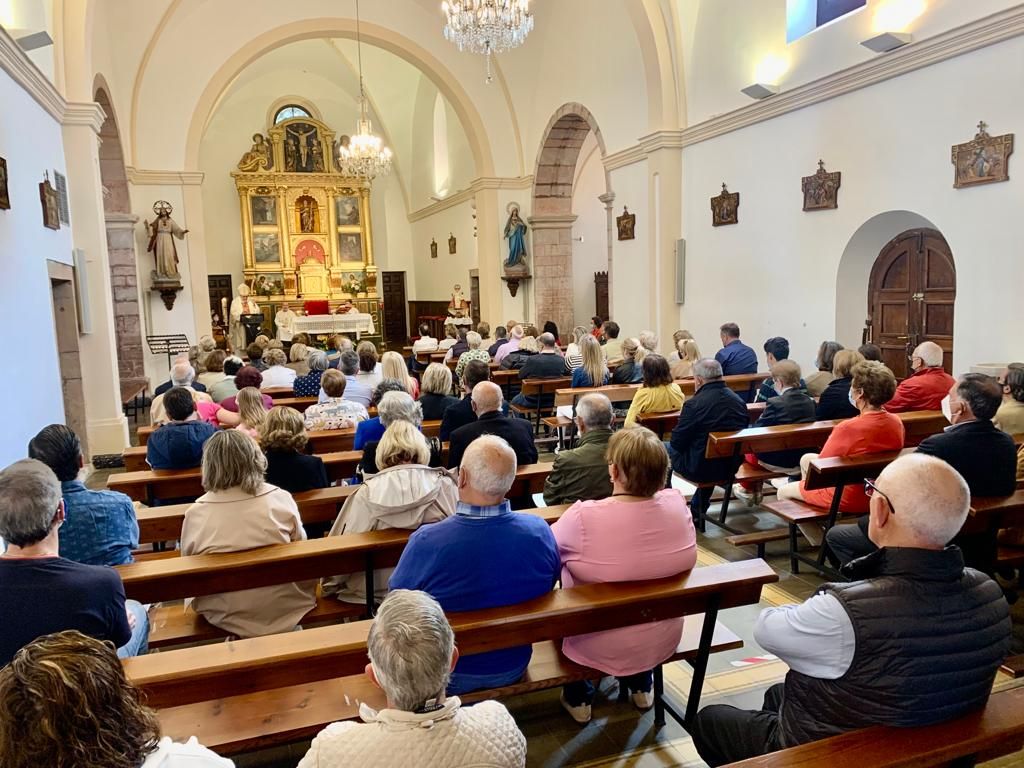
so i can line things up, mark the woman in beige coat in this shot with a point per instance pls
(406, 493)
(240, 511)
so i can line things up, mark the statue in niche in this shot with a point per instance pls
(515, 233)
(307, 214)
(258, 157)
(318, 157)
(291, 154)
(162, 232)
(304, 146)
(340, 147)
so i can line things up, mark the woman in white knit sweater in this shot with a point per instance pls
(412, 652)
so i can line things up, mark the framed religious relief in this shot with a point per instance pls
(347, 210)
(350, 246)
(264, 210)
(51, 208)
(982, 160)
(821, 190)
(725, 208)
(268, 284)
(451, 243)
(266, 248)
(5, 196)
(626, 224)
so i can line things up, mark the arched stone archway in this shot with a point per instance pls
(120, 226)
(553, 217)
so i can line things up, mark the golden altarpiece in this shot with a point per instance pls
(306, 234)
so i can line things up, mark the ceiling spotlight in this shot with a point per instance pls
(761, 90)
(887, 41)
(34, 41)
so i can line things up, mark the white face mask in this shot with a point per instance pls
(947, 409)
(853, 400)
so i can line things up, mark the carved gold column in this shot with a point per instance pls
(364, 213)
(284, 228)
(243, 201)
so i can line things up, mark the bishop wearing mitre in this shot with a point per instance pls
(240, 305)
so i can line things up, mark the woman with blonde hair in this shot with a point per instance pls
(283, 439)
(65, 701)
(834, 402)
(406, 493)
(687, 353)
(392, 366)
(298, 357)
(642, 531)
(629, 370)
(573, 356)
(241, 511)
(251, 412)
(436, 391)
(515, 360)
(592, 372)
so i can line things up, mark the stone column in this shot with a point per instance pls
(665, 166)
(105, 422)
(125, 293)
(552, 269)
(609, 200)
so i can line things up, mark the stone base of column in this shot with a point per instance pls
(107, 435)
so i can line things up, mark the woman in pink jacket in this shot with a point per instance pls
(643, 531)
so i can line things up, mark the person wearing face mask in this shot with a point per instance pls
(974, 447)
(776, 349)
(873, 431)
(924, 390)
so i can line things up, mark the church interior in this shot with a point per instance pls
(181, 179)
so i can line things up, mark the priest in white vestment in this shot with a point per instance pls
(284, 320)
(240, 305)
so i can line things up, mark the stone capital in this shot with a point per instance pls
(607, 198)
(121, 220)
(551, 221)
(85, 113)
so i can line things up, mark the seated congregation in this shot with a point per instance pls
(452, 465)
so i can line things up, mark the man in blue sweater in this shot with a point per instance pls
(485, 556)
(735, 357)
(178, 444)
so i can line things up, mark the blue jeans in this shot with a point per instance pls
(460, 682)
(139, 642)
(582, 691)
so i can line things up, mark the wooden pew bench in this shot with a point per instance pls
(996, 730)
(539, 389)
(241, 695)
(174, 577)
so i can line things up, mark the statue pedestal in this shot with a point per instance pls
(512, 279)
(167, 288)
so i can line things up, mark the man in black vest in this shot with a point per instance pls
(983, 455)
(882, 649)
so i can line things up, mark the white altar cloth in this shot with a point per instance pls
(351, 323)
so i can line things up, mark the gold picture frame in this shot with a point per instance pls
(982, 160)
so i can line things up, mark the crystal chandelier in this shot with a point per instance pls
(365, 156)
(487, 26)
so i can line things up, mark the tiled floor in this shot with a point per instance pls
(618, 735)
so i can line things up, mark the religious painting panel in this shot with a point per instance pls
(5, 197)
(821, 189)
(266, 248)
(626, 224)
(347, 210)
(983, 160)
(303, 152)
(725, 208)
(307, 215)
(353, 282)
(350, 246)
(48, 198)
(268, 284)
(264, 210)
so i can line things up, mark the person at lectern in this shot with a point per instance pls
(240, 305)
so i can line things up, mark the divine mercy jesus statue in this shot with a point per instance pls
(162, 232)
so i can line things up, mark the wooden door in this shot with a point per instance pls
(220, 288)
(601, 295)
(392, 288)
(910, 298)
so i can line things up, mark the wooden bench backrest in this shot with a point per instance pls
(996, 730)
(617, 393)
(993, 512)
(264, 663)
(174, 578)
(918, 425)
(317, 506)
(847, 470)
(544, 386)
(277, 393)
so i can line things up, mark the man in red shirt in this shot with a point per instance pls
(924, 390)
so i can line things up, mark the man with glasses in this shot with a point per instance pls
(985, 457)
(870, 652)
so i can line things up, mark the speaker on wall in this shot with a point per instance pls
(680, 271)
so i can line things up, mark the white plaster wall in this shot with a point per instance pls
(31, 142)
(632, 279)
(775, 272)
(731, 37)
(434, 278)
(590, 255)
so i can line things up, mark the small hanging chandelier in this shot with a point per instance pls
(487, 26)
(365, 156)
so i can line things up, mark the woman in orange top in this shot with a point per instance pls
(873, 431)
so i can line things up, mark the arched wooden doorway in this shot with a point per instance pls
(910, 297)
